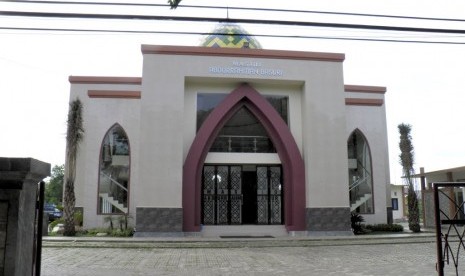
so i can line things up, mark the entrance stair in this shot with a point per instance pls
(110, 200)
(246, 231)
(359, 201)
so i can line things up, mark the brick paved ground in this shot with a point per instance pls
(335, 259)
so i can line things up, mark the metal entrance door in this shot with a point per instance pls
(269, 195)
(450, 225)
(231, 195)
(222, 195)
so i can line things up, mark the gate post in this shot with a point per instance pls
(437, 217)
(449, 216)
(19, 178)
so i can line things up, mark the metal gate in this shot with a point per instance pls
(450, 225)
(228, 199)
(269, 195)
(221, 195)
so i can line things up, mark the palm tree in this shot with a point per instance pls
(406, 160)
(74, 135)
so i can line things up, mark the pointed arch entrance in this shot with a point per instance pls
(279, 133)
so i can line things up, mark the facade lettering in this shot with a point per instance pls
(246, 68)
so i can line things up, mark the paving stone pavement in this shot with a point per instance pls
(336, 258)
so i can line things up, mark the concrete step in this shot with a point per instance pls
(244, 231)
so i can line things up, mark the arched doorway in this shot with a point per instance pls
(283, 141)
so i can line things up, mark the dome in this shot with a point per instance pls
(230, 36)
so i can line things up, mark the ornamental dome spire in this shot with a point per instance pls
(230, 36)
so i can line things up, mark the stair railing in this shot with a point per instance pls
(114, 181)
(115, 188)
(358, 182)
(361, 186)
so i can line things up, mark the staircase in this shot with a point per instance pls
(109, 201)
(359, 201)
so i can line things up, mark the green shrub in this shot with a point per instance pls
(356, 223)
(55, 222)
(117, 220)
(385, 227)
(110, 233)
(122, 233)
(78, 218)
(93, 232)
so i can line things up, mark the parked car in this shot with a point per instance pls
(52, 211)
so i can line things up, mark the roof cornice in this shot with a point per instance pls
(241, 52)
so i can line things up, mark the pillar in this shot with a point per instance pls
(19, 178)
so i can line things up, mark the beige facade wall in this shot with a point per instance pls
(99, 115)
(325, 149)
(161, 126)
(371, 121)
(315, 90)
(161, 122)
(397, 192)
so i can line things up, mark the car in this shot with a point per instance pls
(52, 211)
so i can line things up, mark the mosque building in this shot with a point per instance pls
(229, 138)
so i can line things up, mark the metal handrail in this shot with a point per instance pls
(363, 167)
(114, 181)
(242, 143)
(243, 136)
(358, 183)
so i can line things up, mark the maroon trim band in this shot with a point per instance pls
(246, 53)
(118, 94)
(104, 80)
(365, 89)
(364, 102)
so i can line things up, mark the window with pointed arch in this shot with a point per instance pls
(243, 132)
(114, 172)
(360, 174)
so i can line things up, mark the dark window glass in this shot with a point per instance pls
(360, 174)
(207, 102)
(243, 133)
(114, 172)
(395, 204)
(280, 103)
(205, 105)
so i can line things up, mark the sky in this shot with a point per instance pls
(425, 82)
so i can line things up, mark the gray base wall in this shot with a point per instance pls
(329, 220)
(161, 220)
(151, 221)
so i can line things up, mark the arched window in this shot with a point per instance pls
(243, 132)
(114, 172)
(360, 174)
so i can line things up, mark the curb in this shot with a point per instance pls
(199, 242)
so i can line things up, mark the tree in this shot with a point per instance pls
(54, 187)
(74, 135)
(406, 160)
(174, 3)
